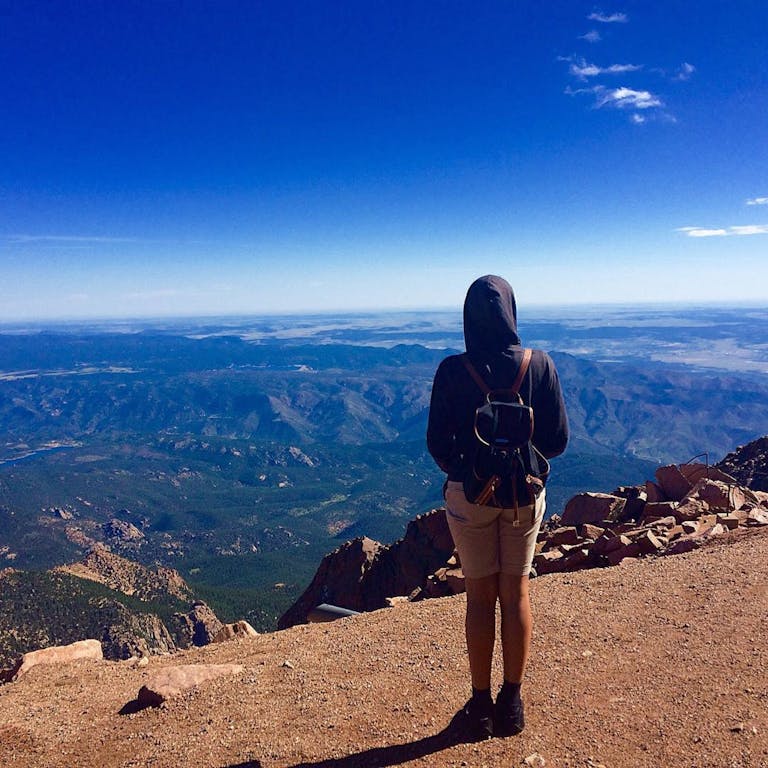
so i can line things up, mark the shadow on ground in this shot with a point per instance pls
(381, 757)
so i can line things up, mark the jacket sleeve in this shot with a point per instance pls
(550, 434)
(441, 426)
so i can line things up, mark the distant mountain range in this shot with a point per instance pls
(241, 461)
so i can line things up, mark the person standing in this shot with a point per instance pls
(495, 544)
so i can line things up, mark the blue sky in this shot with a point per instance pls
(163, 158)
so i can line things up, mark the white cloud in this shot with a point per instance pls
(625, 98)
(758, 201)
(685, 71)
(593, 36)
(748, 229)
(583, 69)
(638, 119)
(612, 18)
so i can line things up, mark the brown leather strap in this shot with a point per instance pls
(522, 371)
(475, 375)
(515, 388)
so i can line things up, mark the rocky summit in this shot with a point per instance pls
(657, 662)
(684, 506)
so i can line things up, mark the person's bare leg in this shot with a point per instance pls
(516, 625)
(480, 627)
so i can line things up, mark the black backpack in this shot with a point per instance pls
(504, 469)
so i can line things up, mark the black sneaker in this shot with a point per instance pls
(509, 718)
(478, 719)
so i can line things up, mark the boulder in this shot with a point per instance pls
(609, 542)
(659, 509)
(576, 559)
(695, 472)
(198, 627)
(631, 549)
(548, 562)
(237, 630)
(592, 508)
(564, 535)
(653, 492)
(649, 543)
(696, 540)
(718, 495)
(690, 509)
(591, 532)
(636, 498)
(172, 681)
(57, 654)
(757, 516)
(673, 483)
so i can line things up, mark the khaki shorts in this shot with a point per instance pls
(486, 538)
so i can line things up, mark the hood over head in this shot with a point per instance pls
(490, 316)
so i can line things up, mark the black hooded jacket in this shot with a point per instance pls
(493, 346)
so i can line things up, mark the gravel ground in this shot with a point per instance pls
(652, 663)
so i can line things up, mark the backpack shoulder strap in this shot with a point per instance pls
(484, 388)
(522, 370)
(515, 388)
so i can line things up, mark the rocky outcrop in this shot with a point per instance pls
(136, 634)
(361, 574)
(60, 654)
(198, 627)
(686, 506)
(749, 464)
(122, 531)
(235, 631)
(129, 577)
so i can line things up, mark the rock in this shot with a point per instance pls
(756, 517)
(688, 543)
(653, 492)
(592, 508)
(690, 509)
(57, 654)
(731, 521)
(548, 562)
(656, 510)
(591, 532)
(362, 574)
(122, 531)
(609, 543)
(454, 580)
(748, 464)
(718, 495)
(392, 602)
(564, 535)
(198, 627)
(535, 760)
(172, 681)
(136, 634)
(237, 630)
(648, 543)
(673, 482)
(576, 559)
(695, 472)
(628, 550)
(636, 497)
(690, 526)
(660, 523)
